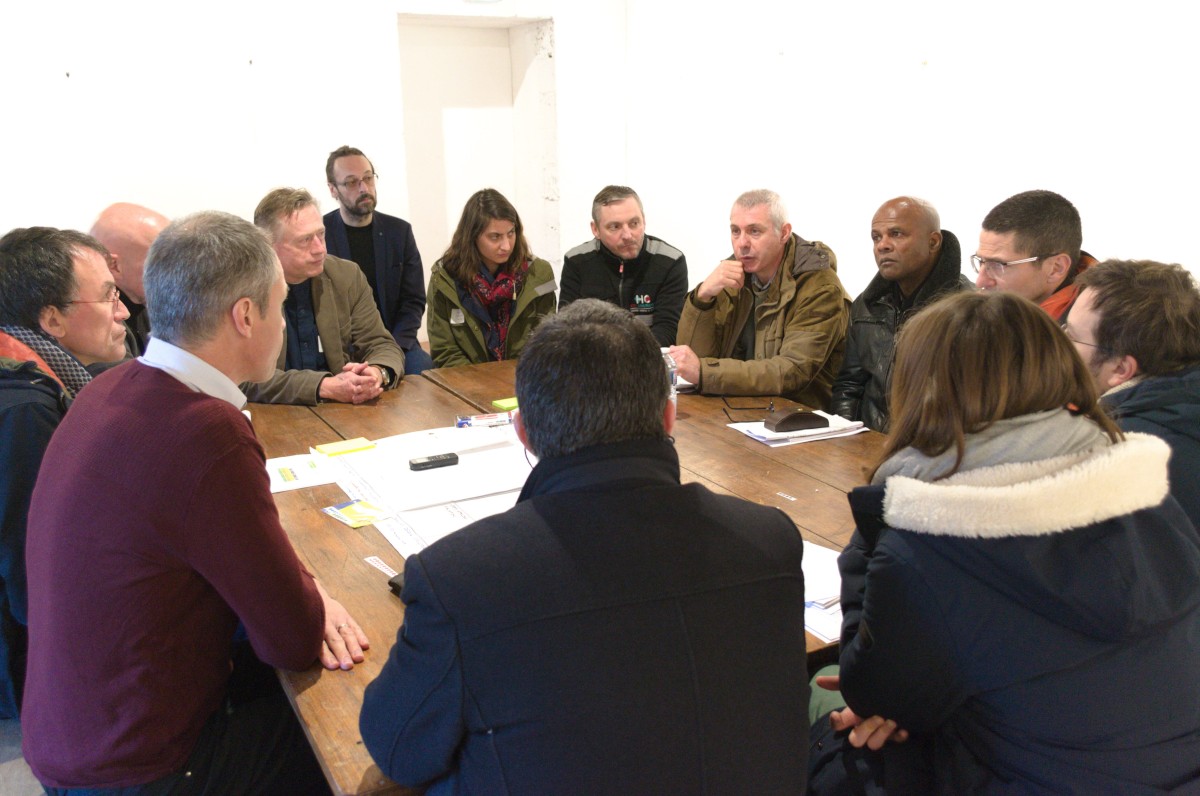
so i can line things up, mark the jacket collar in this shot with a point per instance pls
(944, 276)
(617, 465)
(614, 262)
(1033, 498)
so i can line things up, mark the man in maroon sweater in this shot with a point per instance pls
(141, 567)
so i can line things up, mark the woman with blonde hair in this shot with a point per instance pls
(1017, 565)
(488, 291)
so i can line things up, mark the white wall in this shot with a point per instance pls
(838, 106)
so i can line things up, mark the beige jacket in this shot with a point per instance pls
(799, 331)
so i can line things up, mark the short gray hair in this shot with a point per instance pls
(775, 207)
(590, 375)
(198, 267)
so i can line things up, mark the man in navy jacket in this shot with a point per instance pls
(384, 248)
(1136, 324)
(615, 631)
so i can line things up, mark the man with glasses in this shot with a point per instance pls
(127, 230)
(383, 246)
(59, 312)
(143, 567)
(1136, 324)
(1030, 245)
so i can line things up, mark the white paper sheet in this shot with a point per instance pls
(838, 427)
(297, 472)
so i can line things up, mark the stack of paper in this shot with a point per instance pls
(822, 592)
(838, 427)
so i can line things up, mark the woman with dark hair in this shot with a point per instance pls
(1018, 567)
(488, 292)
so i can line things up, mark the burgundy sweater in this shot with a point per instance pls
(151, 532)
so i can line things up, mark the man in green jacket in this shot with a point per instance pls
(771, 319)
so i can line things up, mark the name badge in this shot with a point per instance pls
(456, 317)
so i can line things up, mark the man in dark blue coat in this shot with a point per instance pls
(60, 311)
(615, 631)
(384, 248)
(1136, 324)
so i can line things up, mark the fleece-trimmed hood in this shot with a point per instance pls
(1030, 529)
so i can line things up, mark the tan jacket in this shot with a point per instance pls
(350, 329)
(799, 331)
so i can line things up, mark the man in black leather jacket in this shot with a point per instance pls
(918, 263)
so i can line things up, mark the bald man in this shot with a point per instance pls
(918, 262)
(127, 230)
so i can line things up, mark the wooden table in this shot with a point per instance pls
(326, 702)
(807, 481)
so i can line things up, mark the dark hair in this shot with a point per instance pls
(462, 260)
(37, 270)
(342, 152)
(1044, 222)
(590, 375)
(198, 267)
(279, 204)
(1148, 310)
(971, 359)
(610, 194)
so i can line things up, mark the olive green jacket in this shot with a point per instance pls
(350, 330)
(799, 331)
(456, 336)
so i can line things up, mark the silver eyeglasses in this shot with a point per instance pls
(352, 183)
(995, 268)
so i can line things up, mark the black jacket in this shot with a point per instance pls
(652, 286)
(614, 632)
(861, 389)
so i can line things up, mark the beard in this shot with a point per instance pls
(362, 207)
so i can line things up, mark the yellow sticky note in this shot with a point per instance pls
(345, 446)
(505, 404)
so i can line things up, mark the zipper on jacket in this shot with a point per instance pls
(621, 285)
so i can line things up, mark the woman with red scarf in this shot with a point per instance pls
(488, 291)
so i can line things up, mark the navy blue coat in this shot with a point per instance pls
(399, 275)
(614, 632)
(1168, 407)
(1036, 624)
(31, 406)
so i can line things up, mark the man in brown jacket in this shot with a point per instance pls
(770, 320)
(336, 347)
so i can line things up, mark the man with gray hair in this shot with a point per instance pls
(141, 567)
(625, 266)
(336, 346)
(770, 320)
(127, 230)
(664, 617)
